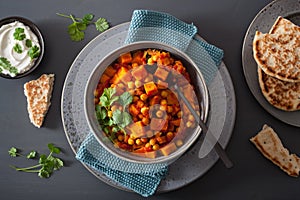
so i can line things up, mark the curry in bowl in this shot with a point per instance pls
(137, 107)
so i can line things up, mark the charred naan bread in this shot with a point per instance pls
(277, 53)
(281, 94)
(38, 93)
(270, 145)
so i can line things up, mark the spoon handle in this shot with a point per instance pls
(218, 148)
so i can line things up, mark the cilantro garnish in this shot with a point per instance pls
(79, 25)
(19, 34)
(28, 43)
(46, 165)
(5, 64)
(116, 120)
(34, 52)
(13, 152)
(18, 48)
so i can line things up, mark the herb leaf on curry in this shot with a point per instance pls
(116, 119)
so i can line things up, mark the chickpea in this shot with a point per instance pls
(138, 142)
(145, 111)
(120, 137)
(138, 83)
(164, 93)
(147, 145)
(169, 109)
(140, 103)
(152, 141)
(189, 124)
(130, 85)
(145, 121)
(163, 107)
(163, 102)
(159, 113)
(170, 135)
(179, 143)
(143, 97)
(179, 114)
(109, 113)
(191, 118)
(114, 108)
(130, 141)
(155, 147)
(96, 93)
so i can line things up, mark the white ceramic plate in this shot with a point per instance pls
(187, 168)
(263, 21)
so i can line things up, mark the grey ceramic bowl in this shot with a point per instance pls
(89, 106)
(33, 27)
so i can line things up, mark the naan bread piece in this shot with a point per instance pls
(278, 54)
(270, 145)
(283, 26)
(38, 93)
(281, 94)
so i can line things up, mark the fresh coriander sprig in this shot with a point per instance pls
(13, 152)
(79, 25)
(47, 164)
(117, 120)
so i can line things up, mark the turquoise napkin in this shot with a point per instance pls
(154, 26)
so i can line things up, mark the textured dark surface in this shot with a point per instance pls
(223, 23)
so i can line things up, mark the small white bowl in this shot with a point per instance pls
(33, 27)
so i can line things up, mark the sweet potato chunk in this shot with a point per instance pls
(110, 71)
(150, 88)
(104, 78)
(138, 58)
(139, 73)
(137, 129)
(157, 124)
(125, 58)
(161, 73)
(168, 149)
(124, 74)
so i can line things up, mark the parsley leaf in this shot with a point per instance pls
(18, 48)
(125, 99)
(28, 43)
(119, 119)
(46, 164)
(13, 152)
(32, 154)
(34, 52)
(19, 34)
(79, 25)
(5, 64)
(87, 19)
(101, 24)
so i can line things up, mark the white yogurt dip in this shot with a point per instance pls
(19, 48)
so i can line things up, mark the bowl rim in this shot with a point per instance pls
(132, 47)
(34, 28)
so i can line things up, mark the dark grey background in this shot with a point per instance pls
(223, 23)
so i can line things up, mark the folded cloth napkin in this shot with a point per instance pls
(155, 26)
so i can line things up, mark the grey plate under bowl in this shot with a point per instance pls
(188, 167)
(263, 21)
